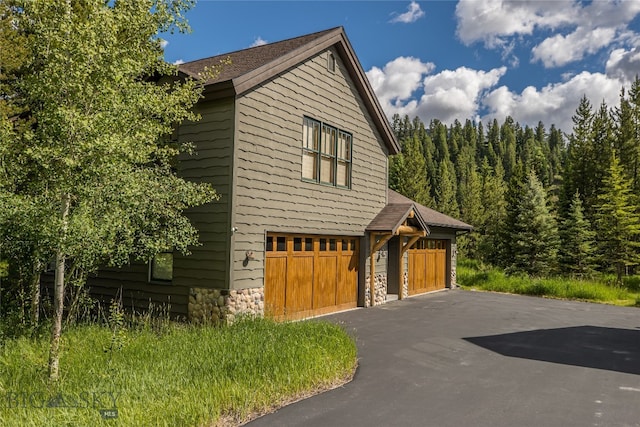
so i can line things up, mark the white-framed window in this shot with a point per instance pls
(161, 268)
(326, 154)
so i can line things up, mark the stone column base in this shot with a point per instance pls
(380, 284)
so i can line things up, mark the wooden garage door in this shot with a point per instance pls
(310, 275)
(427, 266)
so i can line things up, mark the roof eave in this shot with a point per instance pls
(219, 90)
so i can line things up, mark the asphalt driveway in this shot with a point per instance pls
(462, 358)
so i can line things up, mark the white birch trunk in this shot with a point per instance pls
(58, 298)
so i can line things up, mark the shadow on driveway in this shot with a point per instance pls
(596, 347)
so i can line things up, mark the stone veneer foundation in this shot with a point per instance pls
(216, 305)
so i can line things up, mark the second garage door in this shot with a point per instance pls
(310, 275)
(427, 266)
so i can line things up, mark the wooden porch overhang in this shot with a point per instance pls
(402, 220)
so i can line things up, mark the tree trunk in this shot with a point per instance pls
(35, 293)
(58, 297)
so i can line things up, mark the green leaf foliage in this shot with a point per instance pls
(87, 153)
(102, 105)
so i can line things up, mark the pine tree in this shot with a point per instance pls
(438, 132)
(617, 222)
(493, 144)
(493, 217)
(407, 172)
(508, 146)
(627, 133)
(445, 195)
(469, 199)
(531, 230)
(632, 162)
(580, 159)
(577, 241)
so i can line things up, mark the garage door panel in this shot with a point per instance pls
(274, 294)
(431, 270)
(347, 292)
(326, 282)
(441, 263)
(320, 275)
(427, 266)
(299, 284)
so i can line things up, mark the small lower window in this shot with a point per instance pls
(161, 267)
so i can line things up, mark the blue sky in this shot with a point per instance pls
(449, 60)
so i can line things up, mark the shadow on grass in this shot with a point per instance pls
(595, 347)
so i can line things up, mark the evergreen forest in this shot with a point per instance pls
(542, 201)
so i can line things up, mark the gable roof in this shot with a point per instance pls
(392, 216)
(431, 217)
(250, 67)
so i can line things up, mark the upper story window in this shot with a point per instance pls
(326, 154)
(331, 62)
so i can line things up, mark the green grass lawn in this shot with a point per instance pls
(473, 275)
(179, 376)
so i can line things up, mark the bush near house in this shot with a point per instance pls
(602, 288)
(172, 374)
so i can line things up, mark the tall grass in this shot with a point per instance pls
(181, 376)
(474, 275)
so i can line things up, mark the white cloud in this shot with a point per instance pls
(624, 64)
(163, 43)
(577, 29)
(413, 13)
(560, 50)
(455, 94)
(398, 80)
(492, 21)
(178, 62)
(258, 42)
(406, 86)
(553, 104)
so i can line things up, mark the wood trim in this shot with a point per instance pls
(376, 245)
(410, 243)
(401, 269)
(372, 264)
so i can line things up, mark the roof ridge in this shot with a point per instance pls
(270, 44)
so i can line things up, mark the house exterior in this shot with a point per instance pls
(294, 140)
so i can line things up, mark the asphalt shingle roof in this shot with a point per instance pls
(247, 60)
(431, 217)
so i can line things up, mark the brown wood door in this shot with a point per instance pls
(427, 266)
(310, 275)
